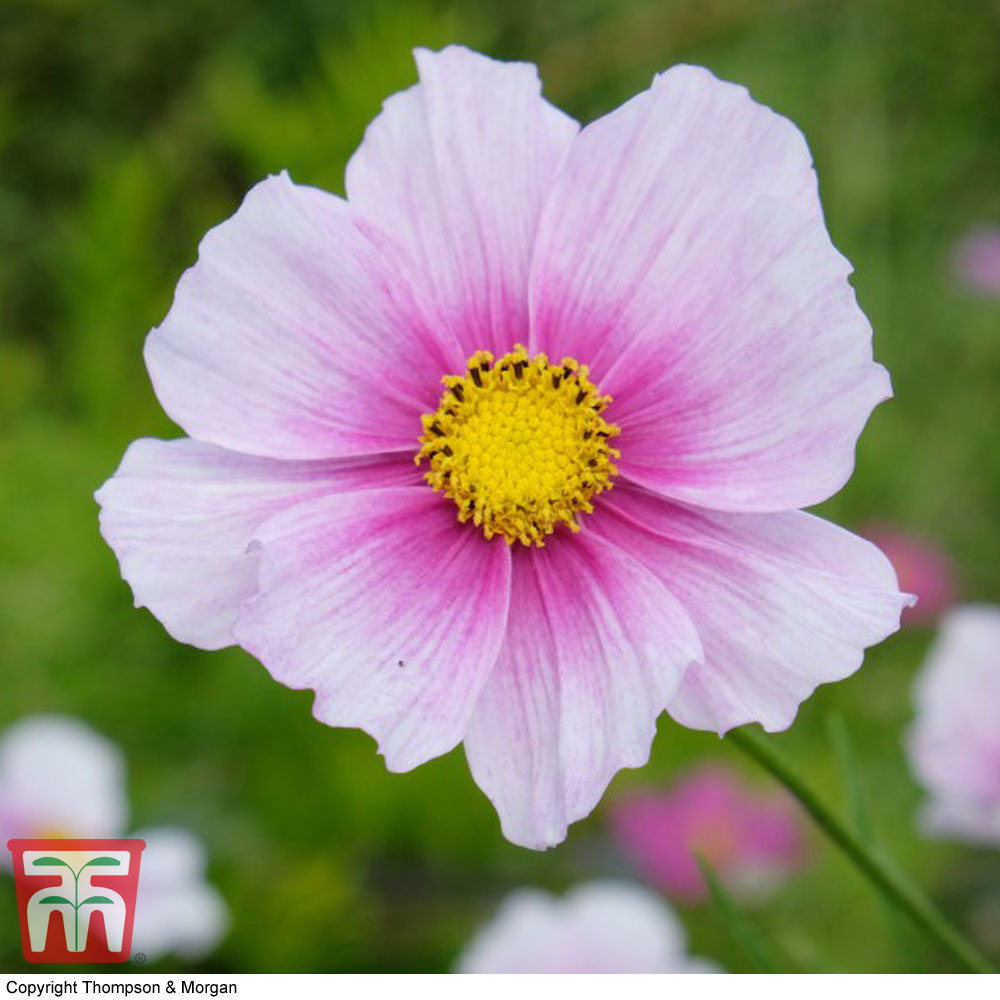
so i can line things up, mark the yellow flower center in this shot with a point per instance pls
(53, 833)
(519, 444)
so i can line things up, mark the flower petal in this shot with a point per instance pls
(682, 254)
(972, 821)
(294, 337)
(595, 648)
(782, 602)
(954, 744)
(59, 778)
(180, 516)
(633, 927)
(923, 568)
(388, 608)
(457, 168)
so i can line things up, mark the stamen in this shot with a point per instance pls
(512, 445)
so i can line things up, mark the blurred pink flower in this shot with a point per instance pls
(600, 927)
(976, 259)
(319, 346)
(751, 839)
(954, 743)
(923, 569)
(58, 778)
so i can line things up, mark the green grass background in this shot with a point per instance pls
(129, 128)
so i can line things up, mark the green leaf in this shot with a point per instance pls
(840, 739)
(103, 863)
(96, 899)
(56, 899)
(743, 933)
(49, 862)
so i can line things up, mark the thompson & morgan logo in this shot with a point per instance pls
(76, 898)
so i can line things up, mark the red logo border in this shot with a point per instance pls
(26, 885)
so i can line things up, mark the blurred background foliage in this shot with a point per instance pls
(129, 128)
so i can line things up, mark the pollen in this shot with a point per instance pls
(520, 445)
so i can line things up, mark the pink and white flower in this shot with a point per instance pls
(58, 778)
(536, 313)
(954, 743)
(923, 569)
(600, 927)
(752, 839)
(976, 259)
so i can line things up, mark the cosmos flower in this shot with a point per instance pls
(505, 449)
(751, 839)
(600, 927)
(923, 569)
(976, 260)
(954, 743)
(58, 778)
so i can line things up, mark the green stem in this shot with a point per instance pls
(869, 860)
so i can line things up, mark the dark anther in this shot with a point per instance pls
(485, 365)
(476, 377)
(519, 367)
(581, 396)
(447, 450)
(556, 379)
(459, 395)
(436, 429)
(603, 434)
(587, 435)
(567, 371)
(592, 462)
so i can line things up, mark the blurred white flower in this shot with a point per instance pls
(600, 927)
(177, 910)
(58, 778)
(954, 744)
